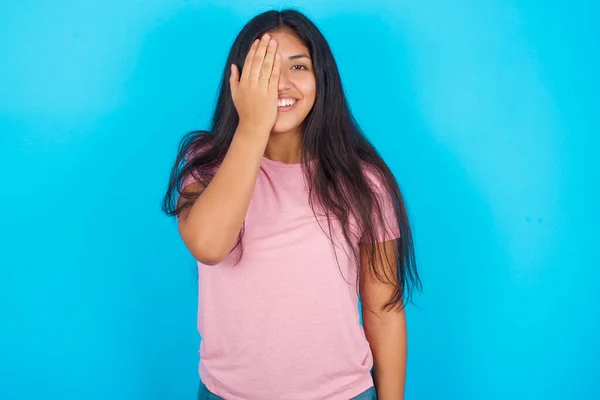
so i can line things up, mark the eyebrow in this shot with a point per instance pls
(297, 56)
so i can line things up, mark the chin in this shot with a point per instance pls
(282, 127)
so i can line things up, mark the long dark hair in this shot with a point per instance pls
(337, 180)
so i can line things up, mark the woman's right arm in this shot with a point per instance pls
(211, 226)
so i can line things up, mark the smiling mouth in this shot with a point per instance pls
(286, 104)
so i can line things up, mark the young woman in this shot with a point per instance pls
(292, 216)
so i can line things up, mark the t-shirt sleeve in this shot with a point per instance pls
(187, 180)
(387, 228)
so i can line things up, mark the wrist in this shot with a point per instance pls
(247, 128)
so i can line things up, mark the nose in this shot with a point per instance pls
(284, 81)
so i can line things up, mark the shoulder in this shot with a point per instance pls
(376, 176)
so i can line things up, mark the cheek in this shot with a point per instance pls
(309, 91)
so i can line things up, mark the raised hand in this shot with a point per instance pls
(255, 93)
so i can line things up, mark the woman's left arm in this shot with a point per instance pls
(385, 330)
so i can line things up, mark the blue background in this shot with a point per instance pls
(483, 109)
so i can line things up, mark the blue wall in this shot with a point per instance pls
(483, 109)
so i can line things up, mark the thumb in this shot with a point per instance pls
(234, 79)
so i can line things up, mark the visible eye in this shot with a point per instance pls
(301, 67)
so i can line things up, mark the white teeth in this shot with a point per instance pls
(285, 102)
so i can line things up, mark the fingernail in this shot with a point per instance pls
(255, 42)
(272, 42)
(278, 56)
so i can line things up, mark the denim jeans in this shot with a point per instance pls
(205, 394)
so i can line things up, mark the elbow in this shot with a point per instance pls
(207, 255)
(206, 247)
(208, 260)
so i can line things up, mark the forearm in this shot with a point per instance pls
(213, 223)
(387, 337)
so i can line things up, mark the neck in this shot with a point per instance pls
(284, 147)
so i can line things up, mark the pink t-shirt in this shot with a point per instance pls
(284, 323)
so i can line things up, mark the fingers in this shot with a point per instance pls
(248, 62)
(259, 57)
(274, 81)
(268, 62)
